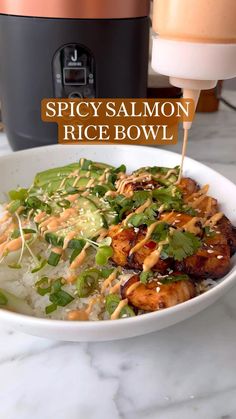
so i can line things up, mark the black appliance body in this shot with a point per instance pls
(66, 58)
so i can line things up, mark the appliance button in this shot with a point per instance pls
(76, 95)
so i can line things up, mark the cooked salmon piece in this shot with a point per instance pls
(122, 243)
(212, 260)
(188, 186)
(206, 205)
(156, 296)
(208, 262)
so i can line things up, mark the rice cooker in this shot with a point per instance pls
(68, 49)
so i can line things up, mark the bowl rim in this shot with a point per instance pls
(98, 325)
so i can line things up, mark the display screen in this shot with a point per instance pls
(75, 76)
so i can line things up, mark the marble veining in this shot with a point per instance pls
(186, 371)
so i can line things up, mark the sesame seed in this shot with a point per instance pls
(158, 289)
(210, 251)
(220, 257)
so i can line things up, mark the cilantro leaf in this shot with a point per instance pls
(145, 218)
(170, 197)
(160, 233)
(188, 210)
(181, 245)
(99, 190)
(120, 169)
(20, 194)
(144, 276)
(120, 205)
(209, 232)
(140, 197)
(137, 220)
(151, 213)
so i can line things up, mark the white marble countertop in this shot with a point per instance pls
(186, 371)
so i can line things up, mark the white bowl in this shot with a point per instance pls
(19, 169)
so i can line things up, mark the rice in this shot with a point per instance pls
(21, 282)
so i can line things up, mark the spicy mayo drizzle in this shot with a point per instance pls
(118, 309)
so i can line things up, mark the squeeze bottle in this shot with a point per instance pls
(195, 43)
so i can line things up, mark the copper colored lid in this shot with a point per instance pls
(77, 9)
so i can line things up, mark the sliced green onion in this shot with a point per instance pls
(74, 254)
(39, 267)
(43, 286)
(57, 285)
(36, 203)
(42, 281)
(15, 234)
(76, 244)
(50, 309)
(61, 298)
(106, 272)
(54, 259)
(14, 266)
(54, 240)
(127, 311)
(87, 282)
(64, 203)
(112, 302)
(3, 299)
(28, 230)
(46, 208)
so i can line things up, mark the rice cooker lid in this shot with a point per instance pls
(76, 9)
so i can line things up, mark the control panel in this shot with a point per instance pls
(74, 72)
